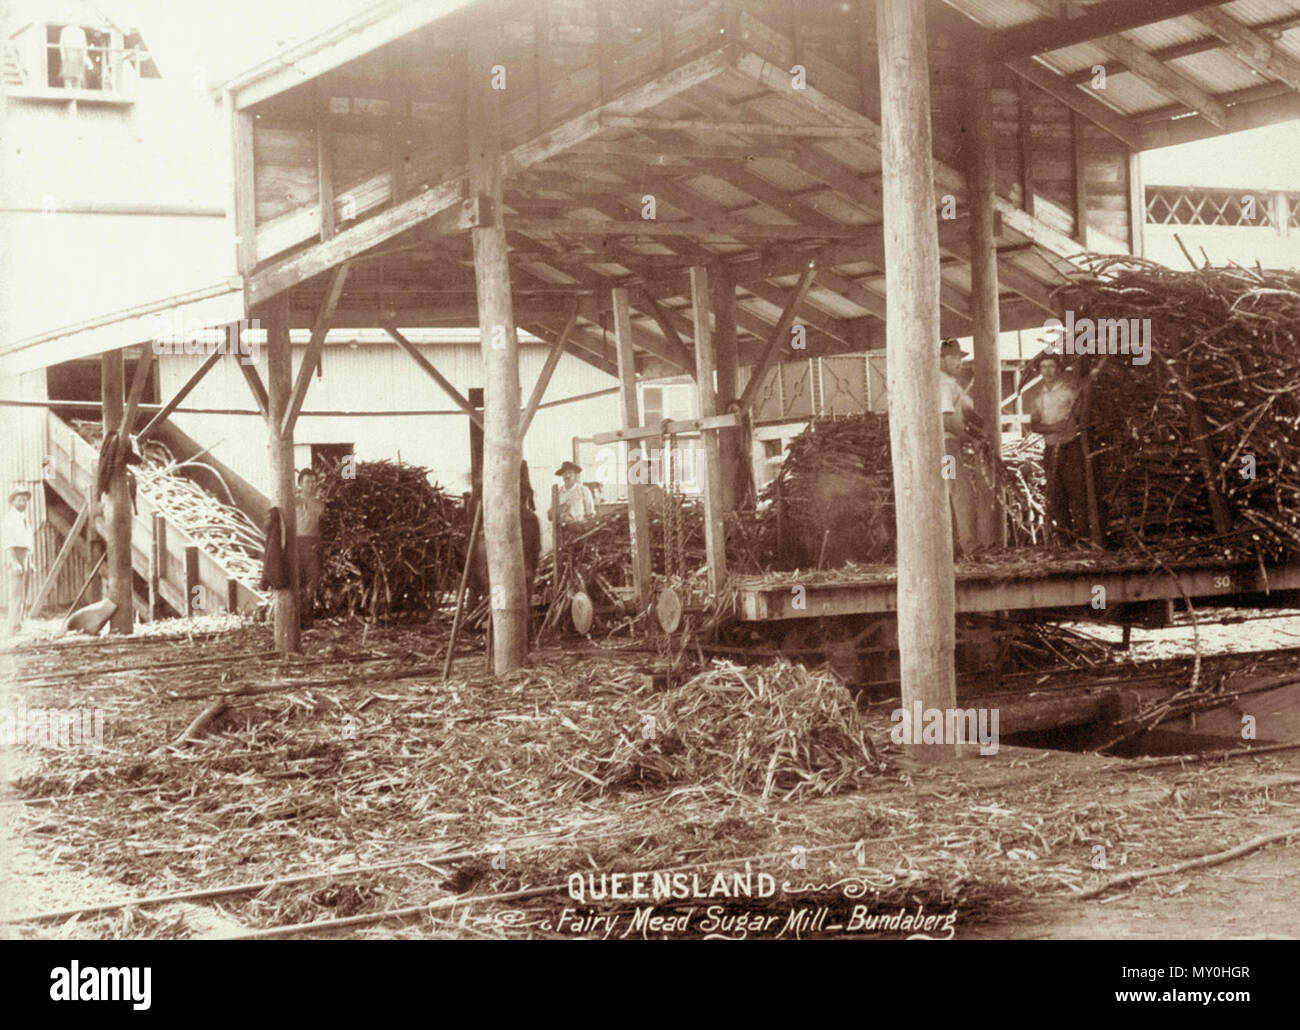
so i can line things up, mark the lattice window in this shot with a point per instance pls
(1172, 205)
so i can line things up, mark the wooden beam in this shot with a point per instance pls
(1078, 99)
(1252, 49)
(926, 593)
(1137, 205)
(319, 330)
(762, 129)
(284, 486)
(138, 381)
(715, 534)
(637, 509)
(456, 396)
(656, 154)
(502, 535)
(165, 411)
(734, 228)
(733, 444)
(1152, 71)
(671, 427)
(255, 386)
(1025, 137)
(245, 200)
(981, 175)
(780, 335)
(324, 165)
(117, 503)
(1251, 115)
(1038, 37)
(398, 218)
(548, 370)
(1079, 164)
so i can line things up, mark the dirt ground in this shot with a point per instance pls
(353, 757)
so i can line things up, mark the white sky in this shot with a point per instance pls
(1262, 159)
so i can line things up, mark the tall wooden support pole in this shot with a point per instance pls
(732, 443)
(638, 514)
(502, 449)
(715, 545)
(981, 180)
(279, 389)
(117, 501)
(926, 594)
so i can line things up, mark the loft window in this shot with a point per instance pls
(86, 58)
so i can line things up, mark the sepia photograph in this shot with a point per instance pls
(651, 470)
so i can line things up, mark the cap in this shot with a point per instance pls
(568, 466)
(19, 491)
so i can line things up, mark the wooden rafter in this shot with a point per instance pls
(398, 218)
(780, 334)
(1039, 37)
(1252, 49)
(1153, 72)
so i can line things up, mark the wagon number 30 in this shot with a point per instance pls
(1222, 582)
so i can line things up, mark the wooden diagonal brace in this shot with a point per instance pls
(319, 330)
(779, 333)
(457, 398)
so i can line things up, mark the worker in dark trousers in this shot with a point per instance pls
(1053, 414)
(308, 510)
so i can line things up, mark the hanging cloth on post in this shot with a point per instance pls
(275, 576)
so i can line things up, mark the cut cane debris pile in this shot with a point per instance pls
(776, 730)
(221, 529)
(1216, 410)
(391, 540)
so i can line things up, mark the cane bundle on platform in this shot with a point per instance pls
(1212, 420)
(391, 540)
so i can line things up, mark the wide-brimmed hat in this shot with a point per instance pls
(568, 466)
(19, 490)
(951, 346)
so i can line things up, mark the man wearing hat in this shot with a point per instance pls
(959, 421)
(19, 543)
(1053, 414)
(575, 502)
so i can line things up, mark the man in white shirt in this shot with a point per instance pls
(575, 501)
(957, 411)
(19, 544)
(1053, 414)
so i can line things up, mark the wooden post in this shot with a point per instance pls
(194, 601)
(1137, 205)
(500, 347)
(157, 555)
(715, 538)
(733, 444)
(117, 501)
(981, 180)
(638, 516)
(279, 386)
(926, 594)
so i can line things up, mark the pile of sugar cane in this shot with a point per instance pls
(217, 526)
(391, 540)
(1215, 409)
